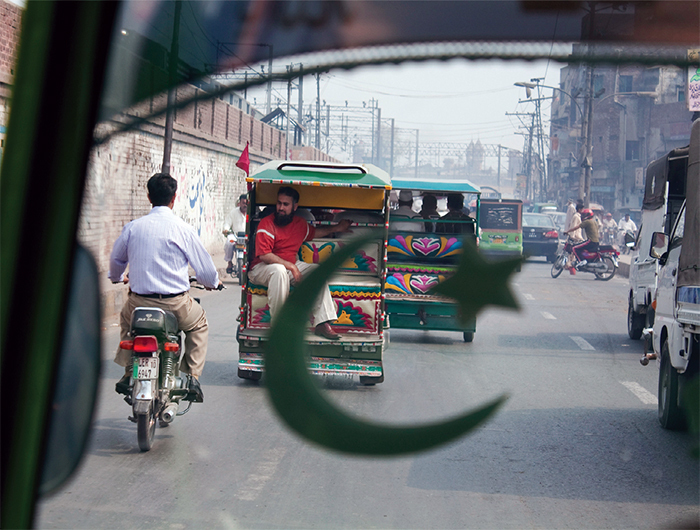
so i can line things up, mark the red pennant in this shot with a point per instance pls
(244, 160)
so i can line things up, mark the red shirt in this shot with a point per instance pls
(283, 241)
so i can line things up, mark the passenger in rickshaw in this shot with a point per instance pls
(277, 242)
(429, 211)
(455, 205)
(405, 211)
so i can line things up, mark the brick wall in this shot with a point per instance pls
(10, 23)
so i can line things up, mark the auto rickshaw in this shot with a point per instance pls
(501, 223)
(424, 250)
(328, 193)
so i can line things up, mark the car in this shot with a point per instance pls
(559, 219)
(540, 236)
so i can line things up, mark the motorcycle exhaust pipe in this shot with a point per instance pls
(169, 413)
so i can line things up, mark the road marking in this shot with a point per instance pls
(642, 393)
(528, 296)
(261, 475)
(582, 343)
(548, 316)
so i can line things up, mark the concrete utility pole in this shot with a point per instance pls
(417, 133)
(269, 83)
(391, 156)
(172, 90)
(300, 106)
(289, 109)
(379, 137)
(318, 112)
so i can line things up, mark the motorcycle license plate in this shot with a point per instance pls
(146, 368)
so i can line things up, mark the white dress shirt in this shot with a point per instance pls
(235, 221)
(158, 248)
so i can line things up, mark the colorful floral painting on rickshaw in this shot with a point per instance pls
(428, 246)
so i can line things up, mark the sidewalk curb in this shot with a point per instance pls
(624, 265)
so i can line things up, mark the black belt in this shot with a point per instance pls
(160, 296)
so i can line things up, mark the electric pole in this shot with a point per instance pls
(172, 80)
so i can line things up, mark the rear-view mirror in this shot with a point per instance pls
(659, 245)
(77, 376)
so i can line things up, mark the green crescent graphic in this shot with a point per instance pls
(303, 407)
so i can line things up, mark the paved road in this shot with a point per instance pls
(577, 445)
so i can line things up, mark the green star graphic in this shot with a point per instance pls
(478, 283)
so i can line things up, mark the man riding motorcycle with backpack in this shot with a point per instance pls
(591, 244)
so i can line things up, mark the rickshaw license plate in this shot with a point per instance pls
(146, 368)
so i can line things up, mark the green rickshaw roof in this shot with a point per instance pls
(448, 186)
(311, 173)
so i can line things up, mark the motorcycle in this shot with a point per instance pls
(628, 240)
(157, 387)
(603, 263)
(239, 242)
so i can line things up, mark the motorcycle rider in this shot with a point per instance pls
(610, 227)
(158, 247)
(234, 223)
(626, 225)
(592, 243)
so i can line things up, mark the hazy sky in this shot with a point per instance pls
(455, 101)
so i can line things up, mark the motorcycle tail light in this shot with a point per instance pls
(145, 344)
(126, 345)
(172, 346)
(551, 234)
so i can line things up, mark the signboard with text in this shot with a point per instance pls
(694, 81)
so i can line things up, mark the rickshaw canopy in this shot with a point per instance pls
(365, 185)
(450, 186)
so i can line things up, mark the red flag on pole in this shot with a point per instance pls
(244, 160)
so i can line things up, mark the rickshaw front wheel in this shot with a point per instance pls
(249, 374)
(369, 381)
(468, 336)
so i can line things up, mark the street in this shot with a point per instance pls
(577, 444)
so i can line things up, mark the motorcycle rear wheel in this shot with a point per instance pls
(557, 266)
(610, 272)
(146, 429)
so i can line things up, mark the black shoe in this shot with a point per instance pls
(123, 386)
(195, 391)
(229, 269)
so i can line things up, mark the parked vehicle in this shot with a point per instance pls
(501, 228)
(675, 334)
(559, 219)
(419, 259)
(664, 193)
(540, 236)
(603, 263)
(330, 191)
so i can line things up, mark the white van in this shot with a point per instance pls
(664, 193)
(676, 332)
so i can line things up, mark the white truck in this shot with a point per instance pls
(664, 193)
(676, 331)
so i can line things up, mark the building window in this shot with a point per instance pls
(625, 83)
(598, 87)
(681, 92)
(632, 152)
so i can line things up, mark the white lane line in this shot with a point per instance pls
(582, 343)
(642, 393)
(528, 296)
(261, 475)
(548, 316)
